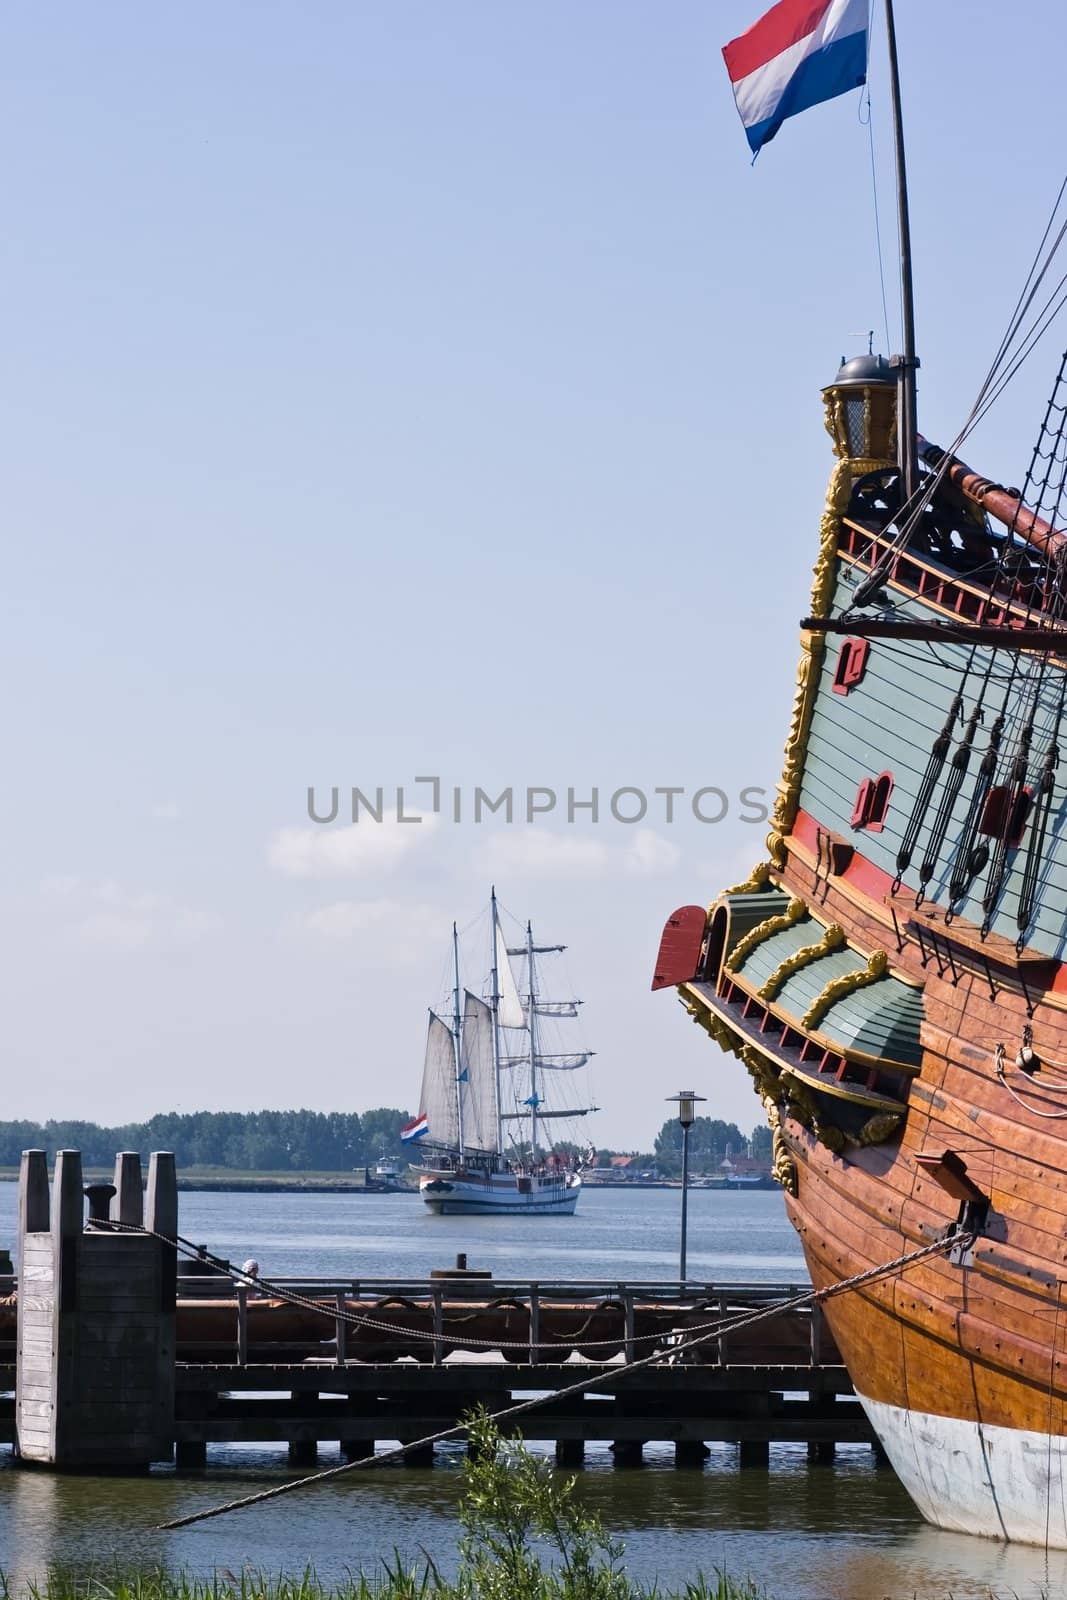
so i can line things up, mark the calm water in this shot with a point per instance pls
(845, 1532)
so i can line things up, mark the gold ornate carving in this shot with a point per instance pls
(813, 646)
(804, 1108)
(757, 879)
(829, 1135)
(762, 1073)
(880, 1127)
(776, 850)
(847, 983)
(762, 931)
(714, 1026)
(783, 1165)
(833, 937)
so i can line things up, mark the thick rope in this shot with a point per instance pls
(593, 1381)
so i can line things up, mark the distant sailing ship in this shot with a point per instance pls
(489, 1088)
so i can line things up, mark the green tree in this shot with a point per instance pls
(708, 1142)
(761, 1141)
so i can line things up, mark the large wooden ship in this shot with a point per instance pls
(893, 974)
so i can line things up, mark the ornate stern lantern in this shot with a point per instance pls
(861, 411)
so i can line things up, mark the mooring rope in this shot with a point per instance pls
(591, 1381)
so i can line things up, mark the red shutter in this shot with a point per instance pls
(679, 948)
(851, 665)
(861, 810)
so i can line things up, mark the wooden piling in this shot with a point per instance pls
(34, 1205)
(357, 1449)
(755, 1453)
(127, 1205)
(690, 1453)
(95, 1378)
(570, 1452)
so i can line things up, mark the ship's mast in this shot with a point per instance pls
(907, 363)
(495, 1008)
(457, 1034)
(533, 1045)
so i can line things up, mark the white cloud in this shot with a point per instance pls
(60, 883)
(103, 913)
(110, 893)
(400, 930)
(189, 926)
(649, 854)
(542, 853)
(116, 930)
(546, 854)
(165, 811)
(352, 850)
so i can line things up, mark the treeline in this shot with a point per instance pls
(242, 1141)
(710, 1141)
(324, 1141)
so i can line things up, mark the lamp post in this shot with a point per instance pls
(686, 1101)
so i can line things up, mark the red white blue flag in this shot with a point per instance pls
(415, 1130)
(802, 52)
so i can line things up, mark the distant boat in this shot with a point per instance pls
(489, 1088)
(386, 1168)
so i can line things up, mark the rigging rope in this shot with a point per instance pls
(593, 1381)
(1047, 1116)
(993, 386)
(1018, 796)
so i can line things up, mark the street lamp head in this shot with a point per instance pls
(686, 1101)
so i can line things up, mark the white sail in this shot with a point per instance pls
(555, 1008)
(509, 1008)
(438, 1102)
(477, 1081)
(554, 1063)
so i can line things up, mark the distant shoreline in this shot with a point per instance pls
(253, 1182)
(341, 1183)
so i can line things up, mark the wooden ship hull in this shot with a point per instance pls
(892, 976)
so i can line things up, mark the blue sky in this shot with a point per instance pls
(404, 388)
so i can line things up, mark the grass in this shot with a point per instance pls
(395, 1583)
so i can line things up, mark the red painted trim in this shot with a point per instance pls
(860, 874)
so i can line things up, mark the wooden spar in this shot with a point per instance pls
(907, 429)
(1048, 641)
(999, 502)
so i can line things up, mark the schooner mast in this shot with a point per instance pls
(494, 1006)
(532, 1013)
(457, 1035)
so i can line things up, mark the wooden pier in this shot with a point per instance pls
(353, 1363)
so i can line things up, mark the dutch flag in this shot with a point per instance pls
(416, 1129)
(800, 53)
